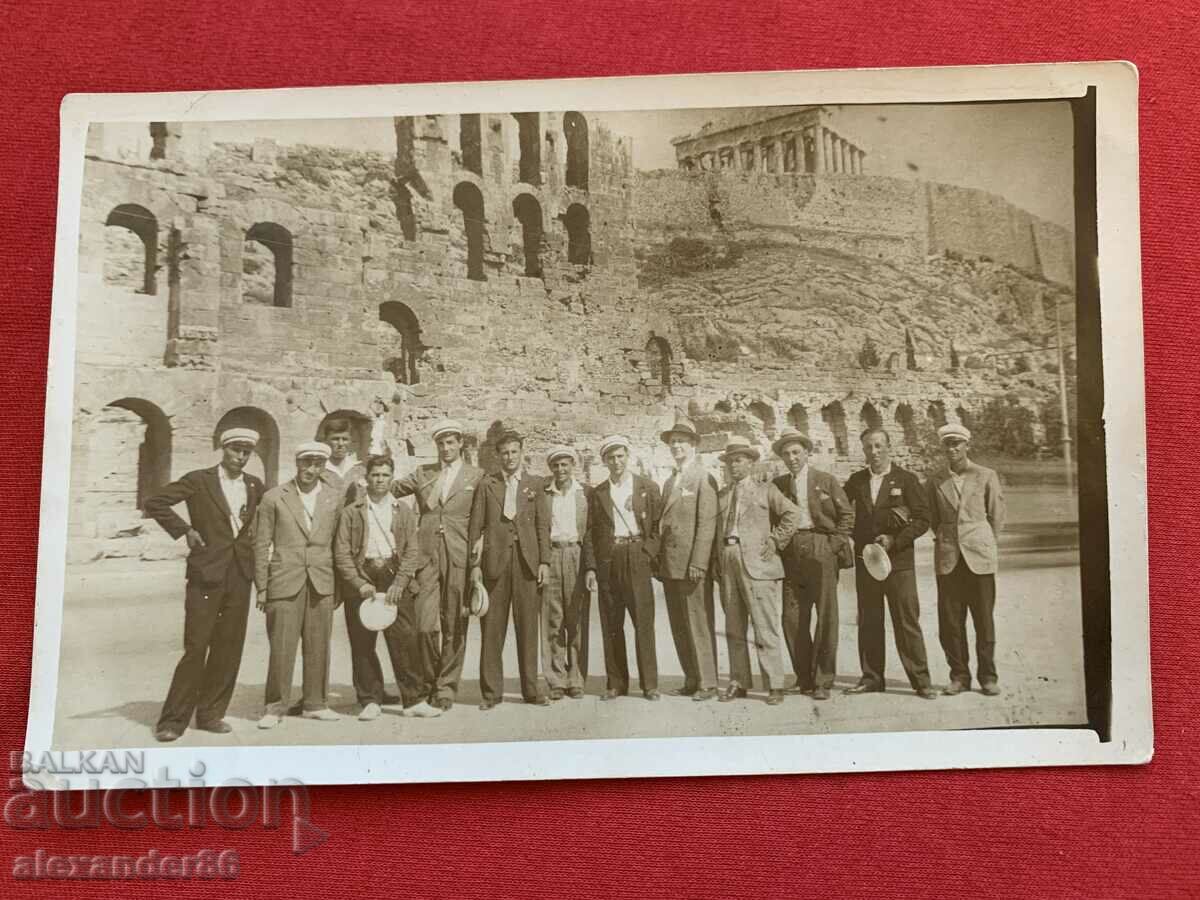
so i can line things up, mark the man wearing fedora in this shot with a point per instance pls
(511, 538)
(620, 545)
(755, 523)
(293, 569)
(890, 509)
(376, 551)
(221, 502)
(686, 527)
(810, 564)
(445, 493)
(566, 601)
(967, 513)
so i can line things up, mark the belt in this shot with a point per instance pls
(730, 541)
(627, 540)
(562, 545)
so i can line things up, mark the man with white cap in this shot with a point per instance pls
(686, 529)
(967, 504)
(566, 601)
(755, 523)
(619, 546)
(444, 492)
(221, 503)
(293, 569)
(810, 564)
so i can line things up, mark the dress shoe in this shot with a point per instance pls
(610, 694)
(539, 700)
(445, 704)
(556, 694)
(421, 710)
(927, 693)
(991, 689)
(798, 689)
(685, 691)
(322, 715)
(166, 735)
(704, 694)
(270, 720)
(369, 713)
(774, 698)
(575, 693)
(652, 695)
(955, 687)
(296, 709)
(218, 727)
(863, 687)
(485, 705)
(733, 691)
(390, 700)
(821, 693)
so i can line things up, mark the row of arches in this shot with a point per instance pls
(529, 146)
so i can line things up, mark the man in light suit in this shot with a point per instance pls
(810, 564)
(620, 546)
(967, 506)
(445, 493)
(686, 528)
(566, 601)
(511, 538)
(293, 570)
(755, 523)
(221, 503)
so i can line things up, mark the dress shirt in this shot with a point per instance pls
(379, 528)
(234, 490)
(624, 521)
(563, 524)
(958, 478)
(800, 495)
(446, 476)
(512, 484)
(349, 461)
(877, 482)
(309, 500)
(731, 518)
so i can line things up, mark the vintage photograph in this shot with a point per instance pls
(571, 424)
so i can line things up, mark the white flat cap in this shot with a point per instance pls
(612, 442)
(239, 436)
(954, 431)
(559, 452)
(313, 448)
(447, 426)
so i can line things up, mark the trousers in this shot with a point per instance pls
(446, 593)
(900, 591)
(517, 590)
(693, 628)
(810, 584)
(959, 592)
(624, 587)
(751, 602)
(305, 620)
(566, 609)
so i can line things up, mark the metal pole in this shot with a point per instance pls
(1062, 396)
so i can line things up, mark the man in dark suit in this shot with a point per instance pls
(293, 569)
(810, 564)
(619, 547)
(686, 528)
(445, 494)
(507, 515)
(891, 510)
(221, 503)
(566, 601)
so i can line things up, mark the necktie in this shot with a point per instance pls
(796, 488)
(510, 498)
(731, 516)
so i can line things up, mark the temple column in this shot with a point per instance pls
(845, 156)
(819, 148)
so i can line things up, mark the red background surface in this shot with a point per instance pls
(1069, 832)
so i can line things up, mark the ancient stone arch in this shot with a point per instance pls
(265, 461)
(529, 213)
(469, 200)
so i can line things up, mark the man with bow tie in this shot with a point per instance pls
(221, 502)
(686, 528)
(511, 562)
(810, 564)
(891, 510)
(619, 548)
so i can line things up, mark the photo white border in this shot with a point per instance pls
(1124, 418)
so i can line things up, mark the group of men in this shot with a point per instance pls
(512, 543)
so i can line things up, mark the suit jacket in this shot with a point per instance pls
(687, 522)
(900, 488)
(530, 530)
(766, 521)
(286, 550)
(828, 507)
(450, 519)
(209, 515)
(350, 543)
(966, 526)
(598, 540)
(581, 508)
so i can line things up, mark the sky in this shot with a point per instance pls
(1021, 151)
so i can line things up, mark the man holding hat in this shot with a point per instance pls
(445, 493)
(566, 601)
(755, 523)
(890, 510)
(376, 552)
(810, 564)
(293, 569)
(221, 503)
(967, 506)
(619, 546)
(686, 528)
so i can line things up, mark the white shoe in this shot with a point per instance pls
(270, 720)
(422, 710)
(369, 713)
(323, 715)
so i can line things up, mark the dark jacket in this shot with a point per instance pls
(350, 543)
(598, 542)
(902, 511)
(831, 512)
(209, 515)
(530, 530)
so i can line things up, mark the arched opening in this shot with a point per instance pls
(402, 364)
(834, 417)
(575, 128)
(469, 200)
(765, 414)
(470, 143)
(936, 413)
(131, 248)
(132, 476)
(908, 425)
(870, 416)
(798, 417)
(265, 460)
(529, 165)
(529, 213)
(360, 430)
(579, 235)
(267, 265)
(658, 362)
